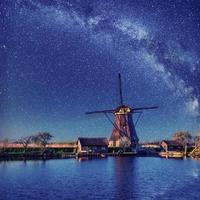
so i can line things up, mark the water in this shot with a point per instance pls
(116, 178)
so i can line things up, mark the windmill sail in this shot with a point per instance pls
(101, 111)
(145, 108)
(120, 89)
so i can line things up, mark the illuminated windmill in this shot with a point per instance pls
(123, 133)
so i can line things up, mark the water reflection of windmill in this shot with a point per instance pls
(123, 133)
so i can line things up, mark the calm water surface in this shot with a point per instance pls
(109, 178)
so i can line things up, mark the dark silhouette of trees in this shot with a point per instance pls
(183, 137)
(5, 145)
(42, 138)
(25, 141)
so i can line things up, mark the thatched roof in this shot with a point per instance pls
(172, 143)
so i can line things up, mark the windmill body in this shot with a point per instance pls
(123, 134)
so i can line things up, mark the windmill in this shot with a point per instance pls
(123, 134)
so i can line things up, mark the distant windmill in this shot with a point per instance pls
(123, 133)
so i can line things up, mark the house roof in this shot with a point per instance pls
(93, 141)
(151, 143)
(172, 143)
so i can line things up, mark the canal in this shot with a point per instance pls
(116, 178)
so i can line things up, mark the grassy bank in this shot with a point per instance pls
(35, 153)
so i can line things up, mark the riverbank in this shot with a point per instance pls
(71, 152)
(60, 153)
(35, 153)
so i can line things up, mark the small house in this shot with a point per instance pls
(92, 145)
(171, 145)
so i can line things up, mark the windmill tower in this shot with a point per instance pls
(123, 134)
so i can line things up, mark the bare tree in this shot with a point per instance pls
(5, 143)
(184, 138)
(25, 141)
(42, 138)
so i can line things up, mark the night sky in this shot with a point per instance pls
(60, 59)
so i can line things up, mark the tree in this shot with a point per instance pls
(5, 143)
(183, 137)
(25, 141)
(42, 138)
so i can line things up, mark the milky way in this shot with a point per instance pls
(61, 59)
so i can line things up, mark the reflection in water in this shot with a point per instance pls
(81, 159)
(3, 164)
(23, 163)
(86, 158)
(125, 176)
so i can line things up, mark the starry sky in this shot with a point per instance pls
(61, 58)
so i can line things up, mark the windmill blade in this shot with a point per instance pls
(100, 111)
(136, 111)
(107, 111)
(145, 108)
(138, 118)
(120, 89)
